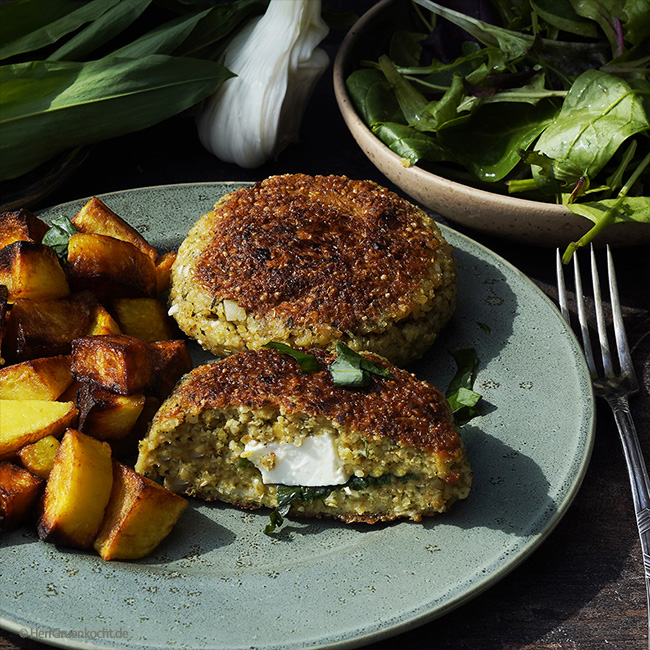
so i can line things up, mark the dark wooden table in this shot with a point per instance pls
(583, 588)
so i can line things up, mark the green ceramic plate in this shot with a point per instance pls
(217, 581)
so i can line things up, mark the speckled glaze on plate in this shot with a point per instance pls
(218, 582)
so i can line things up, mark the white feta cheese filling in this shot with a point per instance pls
(314, 462)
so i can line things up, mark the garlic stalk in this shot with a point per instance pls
(255, 115)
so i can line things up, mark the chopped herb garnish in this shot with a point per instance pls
(484, 327)
(287, 494)
(307, 362)
(460, 394)
(351, 370)
(58, 235)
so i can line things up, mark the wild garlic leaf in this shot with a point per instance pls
(100, 31)
(307, 362)
(460, 394)
(48, 107)
(352, 370)
(58, 235)
(37, 25)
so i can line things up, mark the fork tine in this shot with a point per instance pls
(600, 319)
(582, 318)
(624, 356)
(561, 287)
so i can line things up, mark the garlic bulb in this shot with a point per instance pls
(255, 115)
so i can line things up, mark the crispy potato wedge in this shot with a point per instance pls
(19, 492)
(97, 218)
(105, 415)
(45, 328)
(24, 421)
(140, 514)
(145, 318)
(32, 270)
(102, 322)
(110, 267)
(164, 274)
(171, 360)
(38, 457)
(45, 378)
(119, 363)
(21, 225)
(77, 491)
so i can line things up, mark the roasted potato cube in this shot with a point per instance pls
(97, 218)
(105, 415)
(70, 393)
(4, 297)
(139, 515)
(118, 363)
(21, 225)
(110, 267)
(128, 446)
(77, 491)
(145, 318)
(23, 421)
(32, 270)
(19, 492)
(45, 378)
(171, 360)
(164, 274)
(102, 322)
(45, 328)
(38, 457)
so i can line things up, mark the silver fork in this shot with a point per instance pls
(614, 387)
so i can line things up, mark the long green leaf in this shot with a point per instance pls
(164, 39)
(219, 23)
(101, 30)
(22, 17)
(50, 107)
(50, 33)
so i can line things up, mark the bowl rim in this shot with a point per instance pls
(352, 118)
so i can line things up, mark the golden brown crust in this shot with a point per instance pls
(317, 249)
(402, 408)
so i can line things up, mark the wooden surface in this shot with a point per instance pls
(583, 589)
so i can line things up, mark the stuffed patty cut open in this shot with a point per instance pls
(245, 428)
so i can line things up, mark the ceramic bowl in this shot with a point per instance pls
(523, 220)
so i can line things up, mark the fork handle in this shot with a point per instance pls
(638, 473)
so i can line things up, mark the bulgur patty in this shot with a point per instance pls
(310, 261)
(242, 429)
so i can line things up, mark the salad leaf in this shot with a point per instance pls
(307, 362)
(552, 104)
(58, 236)
(599, 113)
